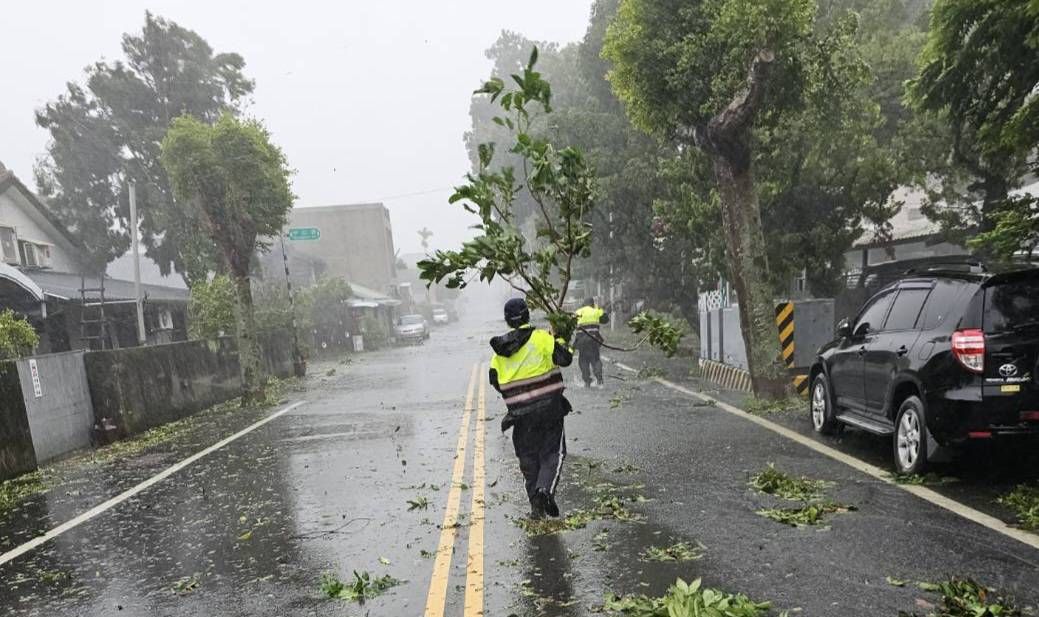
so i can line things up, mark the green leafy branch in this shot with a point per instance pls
(562, 184)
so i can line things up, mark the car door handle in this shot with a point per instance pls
(901, 351)
(862, 350)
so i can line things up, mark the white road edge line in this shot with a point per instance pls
(922, 492)
(121, 497)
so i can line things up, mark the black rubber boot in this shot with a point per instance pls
(539, 504)
(551, 508)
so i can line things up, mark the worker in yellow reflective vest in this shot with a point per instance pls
(588, 341)
(525, 371)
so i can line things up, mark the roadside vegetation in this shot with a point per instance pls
(17, 337)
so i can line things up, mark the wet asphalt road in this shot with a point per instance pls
(250, 529)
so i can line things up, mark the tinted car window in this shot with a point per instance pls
(874, 313)
(1011, 305)
(906, 309)
(941, 303)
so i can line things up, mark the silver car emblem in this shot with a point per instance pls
(1008, 370)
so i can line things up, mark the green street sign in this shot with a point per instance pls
(304, 233)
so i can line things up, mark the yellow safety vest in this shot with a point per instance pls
(588, 317)
(529, 374)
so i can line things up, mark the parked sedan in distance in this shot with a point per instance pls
(935, 360)
(412, 329)
(440, 316)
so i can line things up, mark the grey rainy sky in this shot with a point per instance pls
(369, 100)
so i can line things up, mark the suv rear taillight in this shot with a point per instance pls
(969, 348)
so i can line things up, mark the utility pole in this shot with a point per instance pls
(613, 309)
(142, 335)
(299, 364)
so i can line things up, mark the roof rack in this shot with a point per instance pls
(964, 266)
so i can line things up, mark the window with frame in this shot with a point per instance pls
(906, 310)
(874, 313)
(9, 245)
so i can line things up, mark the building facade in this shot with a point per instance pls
(355, 243)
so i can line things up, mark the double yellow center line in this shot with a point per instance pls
(437, 597)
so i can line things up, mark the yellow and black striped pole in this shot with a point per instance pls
(785, 326)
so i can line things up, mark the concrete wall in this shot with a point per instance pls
(62, 417)
(16, 452)
(144, 387)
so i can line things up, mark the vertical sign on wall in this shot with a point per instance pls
(37, 388)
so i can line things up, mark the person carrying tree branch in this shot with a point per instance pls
(588, 341)
(525, 370)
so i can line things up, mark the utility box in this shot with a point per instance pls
(721, 338)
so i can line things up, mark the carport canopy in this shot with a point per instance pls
(20, 293)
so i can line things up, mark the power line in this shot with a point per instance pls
(415, 194)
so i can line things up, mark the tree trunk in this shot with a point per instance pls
(748, 266)
(253, 386)
(726, 139)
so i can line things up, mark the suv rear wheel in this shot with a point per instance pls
(910, 441)
(823, 420)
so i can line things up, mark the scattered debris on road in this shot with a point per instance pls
(771, 481)
(687, 600)
(1024, 501)
(808, 514)
(364, 586)
(769, 407)
(187, 584)
(963, 597)
(419, 503)
(679, 551)
(929, 479)
(774, 482)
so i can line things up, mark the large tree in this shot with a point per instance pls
(979, 73)
(704, 74)
(108, 132)
(237, 183)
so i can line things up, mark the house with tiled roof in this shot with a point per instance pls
(42, 277)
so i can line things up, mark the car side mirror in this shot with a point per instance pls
(861, 330)
(844, 329)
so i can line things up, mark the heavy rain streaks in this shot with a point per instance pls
(609, 307)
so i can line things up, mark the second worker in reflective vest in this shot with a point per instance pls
(525, 370)
(589, 341)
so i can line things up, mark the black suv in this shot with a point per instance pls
(934, 360)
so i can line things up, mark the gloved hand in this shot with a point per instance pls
(507, 422)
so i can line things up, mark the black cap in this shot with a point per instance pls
(589, 302)
(516, 312)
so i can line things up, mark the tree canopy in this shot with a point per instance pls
(237, 184)
(108, 131)
(979, 73)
